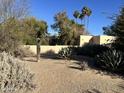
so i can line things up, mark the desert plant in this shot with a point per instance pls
(14, 77)
(23, 51)
(65, 53)
(8, 42)
(90, 50)
(112, 60)
(84, 66)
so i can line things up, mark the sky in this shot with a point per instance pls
(101, 10)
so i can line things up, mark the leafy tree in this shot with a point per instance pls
(11, 11)
(117, 29)
(34, 28)
(33, 32)
(68, 31)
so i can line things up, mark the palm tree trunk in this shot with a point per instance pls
(84, 21)
(76, 21)
(87, 22)
(81, 22)
(76, 24)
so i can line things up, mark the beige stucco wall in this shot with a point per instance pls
(106, 39)
(96, 39)
(84, 39)
(102, 39)
(45, 49)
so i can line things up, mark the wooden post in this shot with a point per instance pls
(38, 48)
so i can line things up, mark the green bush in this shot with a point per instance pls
(8, 42)
(14, 76)
(111, 60)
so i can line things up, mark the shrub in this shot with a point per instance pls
(118, 46)
(8, 42)
(84, 65)
(23, 51)
(65, 53)
(11, 44)
(14, 77)
(112, 60)
(90, 50)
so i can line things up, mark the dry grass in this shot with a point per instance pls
(59, 76)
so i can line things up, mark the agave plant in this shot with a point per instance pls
(112, 60)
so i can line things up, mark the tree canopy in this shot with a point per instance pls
(13, 9)
(68, 30)
(32, 29)
(117, 28)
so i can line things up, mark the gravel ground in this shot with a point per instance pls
(60, 76)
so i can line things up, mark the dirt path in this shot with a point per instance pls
(56, 76)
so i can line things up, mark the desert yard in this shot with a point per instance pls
(44, 49)
(62, 76)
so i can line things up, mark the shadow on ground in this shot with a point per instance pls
(30, 59)
(88, 62)
(83, 62)
(121, 85)
(49, 55)
(92, 91)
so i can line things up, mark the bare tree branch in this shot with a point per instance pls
(13, 9)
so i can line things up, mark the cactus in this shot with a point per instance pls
(65, 53)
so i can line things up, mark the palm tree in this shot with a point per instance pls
(76, 15)
(89, 12)
(82, 16)
(86, 12)
(83, 13)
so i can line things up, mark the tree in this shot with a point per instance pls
(8, 41)
(81, 17)
(36, 31)
(89, 12)
(117, 29)
(33, 29)
(68, 30)
(76, 15)
(11, 11)
(86, 12)
(17, 9)
(53, 40)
